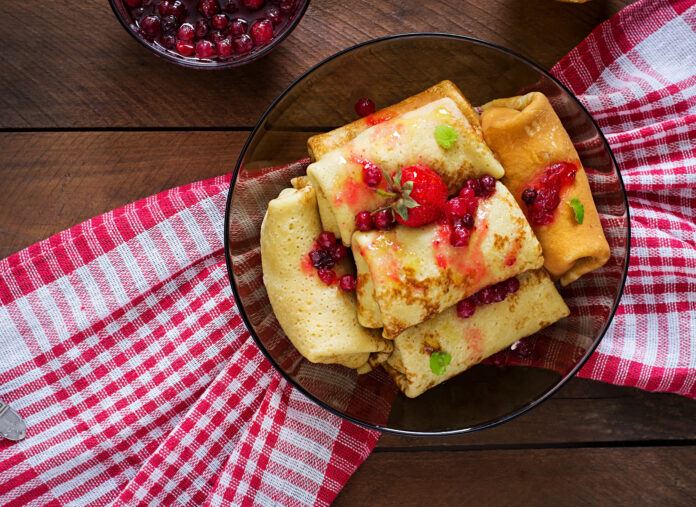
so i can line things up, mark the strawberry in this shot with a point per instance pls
(420, 195)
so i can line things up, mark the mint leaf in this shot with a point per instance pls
(445, 135)
(439, 361)
(579, 209)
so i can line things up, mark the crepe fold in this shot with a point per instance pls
(407, 274)
(492, 328)
(399, 142)
(320, 320)
(527, 136)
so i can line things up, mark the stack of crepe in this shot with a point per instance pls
(410, 278)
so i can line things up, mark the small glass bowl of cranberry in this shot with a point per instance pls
(210, 34)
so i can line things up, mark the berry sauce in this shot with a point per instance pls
(211, 30)
(542, 197)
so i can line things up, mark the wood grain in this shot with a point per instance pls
(569, 477)
(54, 180)
(74, 65)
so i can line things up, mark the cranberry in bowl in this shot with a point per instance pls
(209, 34)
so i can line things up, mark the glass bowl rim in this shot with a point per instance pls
(385, 429)
(230, 64)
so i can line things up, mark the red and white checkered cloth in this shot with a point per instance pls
(125, 354)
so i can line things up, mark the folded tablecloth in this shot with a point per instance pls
(123, 349)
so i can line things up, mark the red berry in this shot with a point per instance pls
(499, 292)
(456, 207)
(205, 49)
(529, 195)
(429, 191)
(485, 296)
(219, 21)
(327, 276)
(466, 308)
(217, 36)
(224, 48)
(229, 6)
(459, 236)
(186, 32)
(384, 220)
(238, 27)
(261, 32)
(372, 175)
(363, 221)
(338, 251)
(169, 25)
(253, 5)
(274, 16)
(208, 8)
(467, 221)
(474, 185)
(487, 185)
(169, 41)
(201, 28)
(498, 359)
(326, 240)
(242, 44)
(185, 48)
(522, 348)
(321, 259)
(287, 6)
(172, 8)
(348, 283)
(150, 26)
(467, 193)
(364, 107)
(512, 285)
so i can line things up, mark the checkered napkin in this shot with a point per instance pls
(123, 349)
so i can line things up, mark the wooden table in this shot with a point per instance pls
(91, 121)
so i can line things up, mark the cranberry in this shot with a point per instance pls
(169, 41)
(485, 296)
(522, 348)
(242, 44)
(460, 236)
(217, 36)
(384, 220)
(219, 21)
(468, 221)
(224, 48)
(150, 26)
(201, 28)
(138, 13)
(186, 32)
(338, 251)
(169, 25)
(321, 259)
(133, 3)
(363, 221)
(474, 185)
(466, 308)
(229, 6)
(487, 185)
(499, 292)
(467, 193)
(253, 5)
(208, 8)
(237, 27)
(348, 283)
(372, 175)
(262, 32)
(456, 207)
(529, 195)
(327, 276)
(168, 8)
(274, 16)
(287, 6)
(512, 285)
(185, 48)
(205, 49)
(364, 107)
(326, 240)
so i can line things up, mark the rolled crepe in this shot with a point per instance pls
(320, 320)
(406, 140)
(492, 328)
(321, 144)
(527, 136)
(408, 274)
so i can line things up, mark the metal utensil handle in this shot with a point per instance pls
(12, 426)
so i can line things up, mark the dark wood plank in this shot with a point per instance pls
(73, 65)
(582, 411)
(52, 181)
(602, 476)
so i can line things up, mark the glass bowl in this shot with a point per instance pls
(156, 46)
(388, 70)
